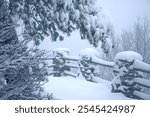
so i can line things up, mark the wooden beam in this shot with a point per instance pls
(72, 66)
(66, 58)
(101, 62)
(141, 66)
(70, 74)
(142, 81)
(71, 58)
(141, 95)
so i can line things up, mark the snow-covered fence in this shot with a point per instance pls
(127, 68)
(128, 75)
(89, 61)
(61, 62)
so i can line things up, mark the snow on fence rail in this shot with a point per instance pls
(141, 66)
(127, 68)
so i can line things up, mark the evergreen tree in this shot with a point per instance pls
(21, 70)
(7, 28)
(49, 17)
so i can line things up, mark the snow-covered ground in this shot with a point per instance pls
(69, 88)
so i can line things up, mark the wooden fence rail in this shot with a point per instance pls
(141, 95)
(141, 66)
(142, 81)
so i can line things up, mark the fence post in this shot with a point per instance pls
(124, 73)
(88, 69)
(59, 62)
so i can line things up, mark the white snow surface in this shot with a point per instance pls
(62, 50)
(69, 88)
(129, 56)
(88, 52)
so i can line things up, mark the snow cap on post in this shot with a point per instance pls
(88, 53)
(62, 51)
(128, 56)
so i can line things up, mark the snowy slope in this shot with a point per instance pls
(70, 88)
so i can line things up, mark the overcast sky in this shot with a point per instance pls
(123, 13)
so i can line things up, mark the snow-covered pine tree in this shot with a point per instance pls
(21, 70)
(50, 17)
(7, 28)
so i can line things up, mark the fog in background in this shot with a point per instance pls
(124, 13)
